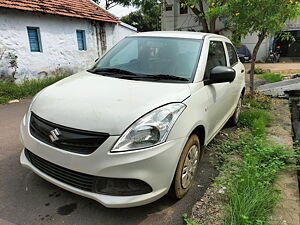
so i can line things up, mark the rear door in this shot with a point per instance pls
(238, 84)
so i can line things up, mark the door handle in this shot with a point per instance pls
(242, 71)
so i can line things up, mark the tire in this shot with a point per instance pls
(234, 119)
(186, 168)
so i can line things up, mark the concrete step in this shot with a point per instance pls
(278, 89)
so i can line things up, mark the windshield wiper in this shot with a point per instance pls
(111, 70)
(165, 77)
(130, 75)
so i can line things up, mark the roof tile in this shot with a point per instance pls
(84, 9)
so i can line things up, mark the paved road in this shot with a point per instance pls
(25, 198)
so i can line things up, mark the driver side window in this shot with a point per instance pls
(216, 57)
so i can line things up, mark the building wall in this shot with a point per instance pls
(60, 52)
(293, 24)
(116, 32)
(173, 20)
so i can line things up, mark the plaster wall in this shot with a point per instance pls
(59, 45)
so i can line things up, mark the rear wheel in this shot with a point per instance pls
(186, 168)
(233, 121)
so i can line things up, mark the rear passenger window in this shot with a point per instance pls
(232, 54)
(216, 57)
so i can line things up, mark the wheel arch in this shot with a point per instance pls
(200, 132)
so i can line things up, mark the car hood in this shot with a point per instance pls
(103, 104)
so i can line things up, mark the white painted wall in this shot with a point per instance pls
(116, 32)
(59, 42)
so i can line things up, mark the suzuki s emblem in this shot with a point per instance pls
(54, 135)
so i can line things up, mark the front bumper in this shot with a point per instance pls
(155, 166)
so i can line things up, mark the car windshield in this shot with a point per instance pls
(151, 58)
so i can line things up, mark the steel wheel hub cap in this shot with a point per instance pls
(190, 166)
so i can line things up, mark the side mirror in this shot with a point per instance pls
(221, 74)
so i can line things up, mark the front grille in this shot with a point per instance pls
(101, 185)
(69, 139)
(76, 179)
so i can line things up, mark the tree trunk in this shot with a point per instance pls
(261, 37)
(212, 25)
(202, 19)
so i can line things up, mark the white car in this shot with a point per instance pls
(133, 128)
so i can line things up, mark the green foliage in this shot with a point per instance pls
(250, 194)
(188, 221)
(262, 16)
(112, 3)
(271, 77)
(146, 18)
(254, 118)
(257, 102)
(249, 164)
(254, 115)
(207, 12)
(259, 127)
(10, 90)
(285, 36)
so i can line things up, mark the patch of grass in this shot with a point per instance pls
(271, 77)
(258, 101)
(259, 70)
(10, 90)
(250, 192)
(249, 164)
(259, 127)
(255, 119)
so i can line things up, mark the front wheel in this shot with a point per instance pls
(186, 168)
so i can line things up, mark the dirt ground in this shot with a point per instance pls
(286, 68)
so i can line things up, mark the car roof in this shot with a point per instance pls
(178, 34)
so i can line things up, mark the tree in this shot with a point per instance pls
(147, 18)
(244, 17)
(112, 3)
(261, 17)
(207, 12)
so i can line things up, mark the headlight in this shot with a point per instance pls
(152, 129)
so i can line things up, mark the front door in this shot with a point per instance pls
(220, 95)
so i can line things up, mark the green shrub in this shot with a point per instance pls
(271, 77)
(258, 127)
(10, 90)
(248, 116)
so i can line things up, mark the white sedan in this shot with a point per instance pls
(133, 127)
